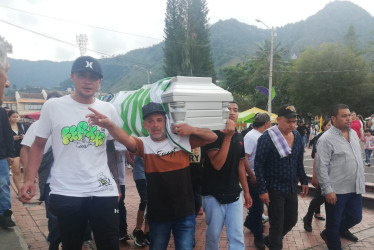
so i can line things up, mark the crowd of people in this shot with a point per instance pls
(77, 150)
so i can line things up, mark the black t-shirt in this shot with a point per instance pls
(301, 130)
(314, 150)
(307, 129)
(226, 180)
(6, 137)
(196, 165)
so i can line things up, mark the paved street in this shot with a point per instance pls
(31, 230)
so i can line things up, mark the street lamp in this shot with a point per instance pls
(271, 63)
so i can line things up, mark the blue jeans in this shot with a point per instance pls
(253, 221)
(367, 154)
(183, 230)
(217, 215)
(4, 186)
(346, 213)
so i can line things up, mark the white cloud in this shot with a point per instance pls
(141, 20)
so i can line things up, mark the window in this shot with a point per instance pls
(33, 106)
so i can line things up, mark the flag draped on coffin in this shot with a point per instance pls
(129, 105)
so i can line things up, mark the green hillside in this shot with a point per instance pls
(231, 42)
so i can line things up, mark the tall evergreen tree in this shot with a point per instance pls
(174, 37)
(187, 45)
(351, 39)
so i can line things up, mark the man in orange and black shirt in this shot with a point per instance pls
(170, 195)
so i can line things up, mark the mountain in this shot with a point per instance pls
(328, 25)
(231, 42)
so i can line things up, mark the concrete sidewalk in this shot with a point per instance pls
(31, 230)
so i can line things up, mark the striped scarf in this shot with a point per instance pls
(279, 141)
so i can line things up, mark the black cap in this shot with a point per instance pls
(152, 108)
(87, 63)
(287, 111)
(261, 117)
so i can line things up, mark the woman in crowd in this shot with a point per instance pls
(18, 132)
(356, 124)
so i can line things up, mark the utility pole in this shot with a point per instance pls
(271, 69)
(148, 70)
(271, 63)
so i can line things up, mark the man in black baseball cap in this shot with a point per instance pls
(280, 152)
(86, 74)
(87, 63)
(287, 111)
(83, 180)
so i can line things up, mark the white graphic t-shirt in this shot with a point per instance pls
(80, 168)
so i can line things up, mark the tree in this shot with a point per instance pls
(187, 45)
(327, 75)
(174, 37)
(243, 78)
(351, 39)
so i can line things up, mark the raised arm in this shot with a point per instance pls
(198, 136)
(117, 133)
(218, 157)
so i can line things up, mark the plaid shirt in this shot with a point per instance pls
(276, 173)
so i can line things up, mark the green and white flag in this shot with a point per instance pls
(129, 105)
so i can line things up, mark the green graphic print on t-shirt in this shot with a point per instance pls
(83, 134)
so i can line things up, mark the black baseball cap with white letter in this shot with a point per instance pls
(87, 63)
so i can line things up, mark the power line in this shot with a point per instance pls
(83, 24)
(322, 71)
(101, 28)
(72, 44)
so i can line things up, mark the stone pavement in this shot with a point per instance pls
(31, 230)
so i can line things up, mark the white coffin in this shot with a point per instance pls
(197, 101)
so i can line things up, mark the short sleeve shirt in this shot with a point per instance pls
(80, 168)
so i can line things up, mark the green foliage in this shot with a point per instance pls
(174, 37)
(243, 78)
(351, 39)
(187, 45)
(327, 75)
(232, 43)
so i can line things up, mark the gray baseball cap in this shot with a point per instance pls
(261, 117)
(152, 108)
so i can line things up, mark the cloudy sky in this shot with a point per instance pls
(47, 29)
